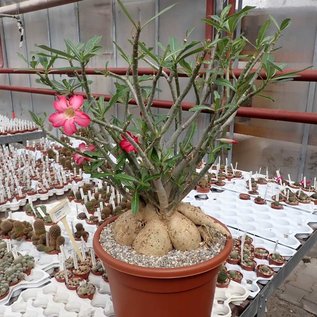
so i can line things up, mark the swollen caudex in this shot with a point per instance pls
(184, 230)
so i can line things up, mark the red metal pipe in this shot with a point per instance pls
(210, 7)
(249, 112)
(89, 71)
(305, 75)
(278, 114)
(233, 6)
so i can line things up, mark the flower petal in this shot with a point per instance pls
(57, 119)
(82, 119)
(127, 146)
(76, 101)
(82, 147)
(79, 159)
(70, 127)
(60, 104)
(91, 148)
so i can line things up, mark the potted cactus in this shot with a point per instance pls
(73, 283)
(152, 159)
(98, 269)
(248, 264)
(276, 205)
(234, 256)
(223, 279)
(203, 185)
(261, 253)
(276, 259)
(60, 275)
(4, 289)
(25, 263)
(82, 271)
(86, 290)
(13, 275)
(244, 196)
(235, 276)
(265, 271)
(259, 200)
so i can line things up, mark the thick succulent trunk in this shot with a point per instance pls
(153, 233)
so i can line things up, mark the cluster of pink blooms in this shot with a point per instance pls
(69, 115)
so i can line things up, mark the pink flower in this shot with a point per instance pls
(308, 183)
(67, 114)
(79, 159)
(126, 145)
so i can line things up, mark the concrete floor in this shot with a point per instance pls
(297, 296)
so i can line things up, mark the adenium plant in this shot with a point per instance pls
(152, 158)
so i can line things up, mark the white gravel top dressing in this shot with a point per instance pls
(173, 259)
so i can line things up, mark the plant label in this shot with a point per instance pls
(59, 211)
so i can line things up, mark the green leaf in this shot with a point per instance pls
(55, 51)
(126, 12)
(122, 53)
(135, 202)
(96, 164)
(189, 136)
(186, 66)
(262, 33)
(125, 178)
(37, 119)
(121, 159)
(193, 52)
(157, 15)
(233, 20)
(285, 24)
(75, 50)
(225, 83)
(275, 22)
(92, 45)
(266, 97)
(224, 13)
(211, 21)
(148, 52)
(216, 95)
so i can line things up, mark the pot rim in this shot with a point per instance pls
(160, 273)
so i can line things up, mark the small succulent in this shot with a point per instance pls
(98, 268)
(13, 275)
(223, 276)
(4, 288)
(86, 289)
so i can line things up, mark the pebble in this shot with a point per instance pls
(174, 258)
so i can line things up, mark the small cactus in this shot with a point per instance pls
(6, 226)
(81, 232)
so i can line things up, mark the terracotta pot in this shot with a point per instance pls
(4, 295)
(275, 261)
(244, 196)
(261, 253)
(91, 296)
(83, 275)
(248, 267)
(235, 276)
(156, 292)
(223, 285)
(201, 189)
(260, 273)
